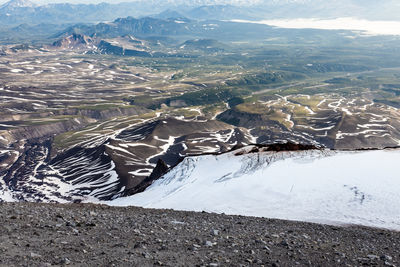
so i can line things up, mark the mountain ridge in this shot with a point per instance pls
(17, 4)
(22, 11)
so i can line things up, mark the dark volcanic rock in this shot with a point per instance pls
(160, 169)
(75, 41)
(89, 235)
(107, 48)
(289, 147)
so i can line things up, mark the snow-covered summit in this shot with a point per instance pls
(313, 185)
(13, 4)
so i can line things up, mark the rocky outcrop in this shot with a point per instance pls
(120, 46)
(75, 41)
(160, 169)
(108, 48)
(278, 147)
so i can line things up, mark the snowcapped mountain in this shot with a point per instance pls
(13, 4)
(16, 12)
(214, 2)
(313, 185)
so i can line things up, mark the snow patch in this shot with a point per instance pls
(314, 186)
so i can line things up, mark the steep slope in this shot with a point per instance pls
(335, 122)
(78, 174)
(75, 41)
(312, 185)
(14, 4)
(122, 46)
(132, 26)
(105, 167)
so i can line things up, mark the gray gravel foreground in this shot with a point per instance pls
(34, 234)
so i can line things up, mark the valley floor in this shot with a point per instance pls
(94, 235)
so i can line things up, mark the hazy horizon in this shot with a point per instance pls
(369, 27)
(267, 10)
(122, 1)
(41, 2)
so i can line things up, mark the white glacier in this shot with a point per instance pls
(315, 186)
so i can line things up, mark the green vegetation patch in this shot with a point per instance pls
(102, 106)
(271, 113)
(305, 100)
(266, 78)
(209, 96)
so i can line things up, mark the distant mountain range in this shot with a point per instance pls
(128, 45)
(16, 4)
(122, 46)
(181, 29)
(16, 12)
